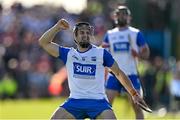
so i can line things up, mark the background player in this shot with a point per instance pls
(126, 44)
(85, 66)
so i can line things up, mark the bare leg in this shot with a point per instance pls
(111, 94)
(61, 113)
(107, 114)
(138, 112)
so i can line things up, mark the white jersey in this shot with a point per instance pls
(175, 87)
(86, 72)
(120, 43)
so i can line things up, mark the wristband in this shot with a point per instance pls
(133, 92)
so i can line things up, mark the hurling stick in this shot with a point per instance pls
(145, 108)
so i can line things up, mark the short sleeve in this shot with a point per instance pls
(106, 39)
(140, 39)
(108, 60)
(63, 52)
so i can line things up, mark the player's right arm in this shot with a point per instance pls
(46, 40)
(105, 43)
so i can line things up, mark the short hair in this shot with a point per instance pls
(79, 25)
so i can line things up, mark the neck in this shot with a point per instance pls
(80, 49)
(122, 27)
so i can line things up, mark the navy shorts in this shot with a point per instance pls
(86, 108)
(114, 84)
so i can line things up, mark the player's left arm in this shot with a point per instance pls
(144, 51)
(120, 75)
(123, 79)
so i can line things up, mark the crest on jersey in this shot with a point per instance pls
(84, 58)
(93, 58)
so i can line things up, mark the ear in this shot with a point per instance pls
(129, 19)
(114, 16)
(74, 35)
(92, 30)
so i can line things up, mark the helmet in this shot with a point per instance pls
(120, 13)
(124, 9)
(83, 25)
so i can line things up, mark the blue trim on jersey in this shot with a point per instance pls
(114, 84)
(106, 39)
(107, 59)
(86, 50)
(140, 41)
(63, 52)
(86, 108)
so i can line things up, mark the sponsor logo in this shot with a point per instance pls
(121, 46)
(84, 70)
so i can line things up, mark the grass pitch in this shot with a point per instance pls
(43, 108)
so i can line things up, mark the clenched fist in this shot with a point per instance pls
(62, 24)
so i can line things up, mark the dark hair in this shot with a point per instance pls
(78, 25)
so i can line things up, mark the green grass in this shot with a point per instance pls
(43, 108)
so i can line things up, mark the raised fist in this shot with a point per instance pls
(63, 24)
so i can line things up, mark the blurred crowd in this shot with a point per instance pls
(26, 70)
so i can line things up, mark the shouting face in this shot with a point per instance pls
(82, 35)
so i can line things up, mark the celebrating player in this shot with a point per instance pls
(85, 69)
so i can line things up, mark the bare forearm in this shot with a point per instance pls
(124, 80)
(48, 36)
(126, 83)
(144, 53)
(46, 39)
